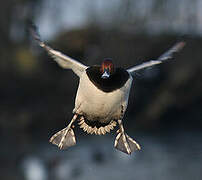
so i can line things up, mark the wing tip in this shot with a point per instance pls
(180, 45)
(166, 56)
(33, 30)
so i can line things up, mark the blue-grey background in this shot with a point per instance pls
(37, 97)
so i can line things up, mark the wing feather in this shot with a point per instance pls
(64, 61)
(164, 57)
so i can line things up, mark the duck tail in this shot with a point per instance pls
(96, 130)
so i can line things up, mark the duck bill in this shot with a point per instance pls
(105, 75)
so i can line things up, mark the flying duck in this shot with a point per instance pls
(102, 96)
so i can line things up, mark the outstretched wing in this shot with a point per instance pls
(64, 61)
(164, 57)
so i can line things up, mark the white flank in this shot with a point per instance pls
(95, 103)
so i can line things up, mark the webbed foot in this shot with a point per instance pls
(65, 138)
(125, 143)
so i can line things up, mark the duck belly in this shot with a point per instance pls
(97, 105)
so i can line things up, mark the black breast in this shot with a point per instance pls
(115, 81)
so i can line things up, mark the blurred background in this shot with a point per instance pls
(37, 96)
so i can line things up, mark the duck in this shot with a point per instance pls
(102, 96)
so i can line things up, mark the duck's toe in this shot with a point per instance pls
(64, 138)
(125, 143)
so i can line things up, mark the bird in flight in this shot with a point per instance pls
(102, 96)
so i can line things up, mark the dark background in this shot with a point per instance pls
(37, 96)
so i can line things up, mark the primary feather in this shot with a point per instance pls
(165, 56)
(64, 61)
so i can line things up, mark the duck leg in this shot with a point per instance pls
(123, 142)
(65, 138)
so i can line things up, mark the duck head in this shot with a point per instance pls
(107, 68)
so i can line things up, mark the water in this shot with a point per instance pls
(176, 156)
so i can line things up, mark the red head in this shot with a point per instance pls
(107, 68)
